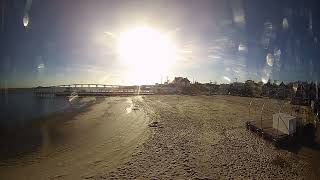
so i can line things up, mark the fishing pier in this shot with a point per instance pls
(92, 90)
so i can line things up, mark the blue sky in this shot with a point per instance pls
(66, 41)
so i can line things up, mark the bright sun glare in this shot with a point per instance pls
(148, 53)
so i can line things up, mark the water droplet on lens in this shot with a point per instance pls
(269, 59)
(285, 24)
(25, 20)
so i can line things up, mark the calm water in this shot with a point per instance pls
(20, 107)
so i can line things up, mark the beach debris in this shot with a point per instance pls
(59, 176)
(88, 176)
(154, 124)
(135, 108)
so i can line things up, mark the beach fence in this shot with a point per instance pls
(273, 120)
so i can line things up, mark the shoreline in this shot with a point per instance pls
(20, 141)
(94, 141)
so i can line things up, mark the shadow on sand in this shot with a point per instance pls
(305, 137)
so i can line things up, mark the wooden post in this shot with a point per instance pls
(261, 116)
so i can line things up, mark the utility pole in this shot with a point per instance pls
(210, 87)
(317, 93)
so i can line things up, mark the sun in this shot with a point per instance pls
(148, 53)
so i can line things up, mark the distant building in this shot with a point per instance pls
(182, 85)
(181, 82)
(282, 91)
(213, 88)
(224, 89)
(251, 89)
(236, 88)
(269, 89)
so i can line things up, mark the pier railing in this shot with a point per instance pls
(93, 90)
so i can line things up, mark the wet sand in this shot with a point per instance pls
(84, 144)
(165, 137)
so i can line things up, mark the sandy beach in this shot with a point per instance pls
(161, 137)
(201, 137)
(84, 144)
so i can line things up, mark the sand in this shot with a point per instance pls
(201, 137)
(163, 137)
(92, 141)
